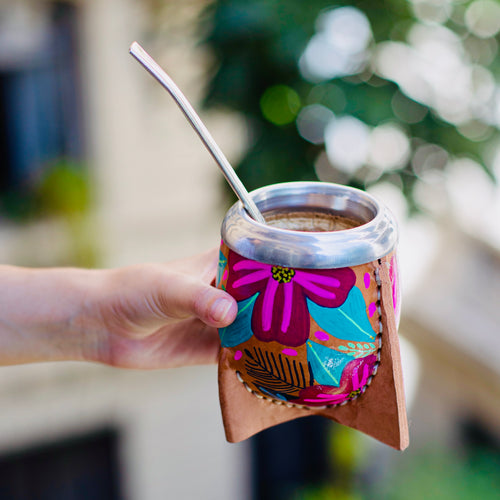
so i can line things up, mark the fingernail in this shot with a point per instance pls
(220, 309)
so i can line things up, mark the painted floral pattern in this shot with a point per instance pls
(305, 337)
(280, 310)
(354, 379)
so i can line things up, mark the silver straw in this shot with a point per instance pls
(234, 181)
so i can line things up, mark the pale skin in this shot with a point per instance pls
(147, 316)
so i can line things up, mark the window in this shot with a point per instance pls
(78, 469)
(40, 108)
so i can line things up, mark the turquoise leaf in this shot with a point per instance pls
(347, 322)
(240, 330)
(327, 364)
(221, 267)
(272, 394)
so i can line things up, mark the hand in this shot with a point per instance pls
(163, 316)
(145, 316)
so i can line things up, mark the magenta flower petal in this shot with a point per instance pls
(342, 283)
(321, 280)
(251, 278)
(327, 399)
(353, 380)
(268, 304)
(287, 306)
(244, 265)
(288, 327)
(316, 290)
(280, 311)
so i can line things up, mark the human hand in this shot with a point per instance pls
(161, 316)
(145, 316)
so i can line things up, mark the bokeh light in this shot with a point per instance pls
(347, 142)
(437, 73)
(312, 121)
(407, 110)
(339, 47)
(280, 104)
(483, 18)
(474, 199)
(393, 198)
(480, 50)
(328, 94)
(428, 158)
(437, 11)
(389, 147)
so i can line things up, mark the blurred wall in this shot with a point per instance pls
(157, 197)
(158, 188)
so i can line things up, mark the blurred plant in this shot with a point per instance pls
(61, 191)
(358, 92)
(433, 474)
(64, 191)
(325, 493)
(440, 475)
(347, 457)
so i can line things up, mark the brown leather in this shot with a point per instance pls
(379, 412)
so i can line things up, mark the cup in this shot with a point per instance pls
(316, 286)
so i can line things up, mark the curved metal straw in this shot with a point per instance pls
(234, 181)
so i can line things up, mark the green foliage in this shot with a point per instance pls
(437, 475)
(429, 474)
(325, 493)
(63, 190)
(257, 46)
(280, 104)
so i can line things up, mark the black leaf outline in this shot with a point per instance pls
(276, 375)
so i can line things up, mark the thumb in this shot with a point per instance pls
(185, 297)
(214, 307)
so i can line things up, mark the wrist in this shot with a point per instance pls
(45, 314)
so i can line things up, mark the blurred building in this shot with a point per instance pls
(453, 321)
(69, 89)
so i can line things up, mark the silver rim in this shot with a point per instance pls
(372, 240)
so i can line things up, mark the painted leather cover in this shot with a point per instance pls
(312, 341)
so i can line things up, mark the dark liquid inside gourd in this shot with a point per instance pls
(309, 220)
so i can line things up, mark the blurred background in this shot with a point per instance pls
(98, 168)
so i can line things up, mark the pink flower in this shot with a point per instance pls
(352, 383)
(280, 312)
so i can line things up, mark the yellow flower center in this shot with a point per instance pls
(282, 274)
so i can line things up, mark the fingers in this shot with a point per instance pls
(191, 343)
(162, 315)
(140, 299)
(187, 291)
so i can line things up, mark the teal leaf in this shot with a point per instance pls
(327, 364)
(221, 267)
(272, 394)
(358, 350)
(240, 330)
(347, 322)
